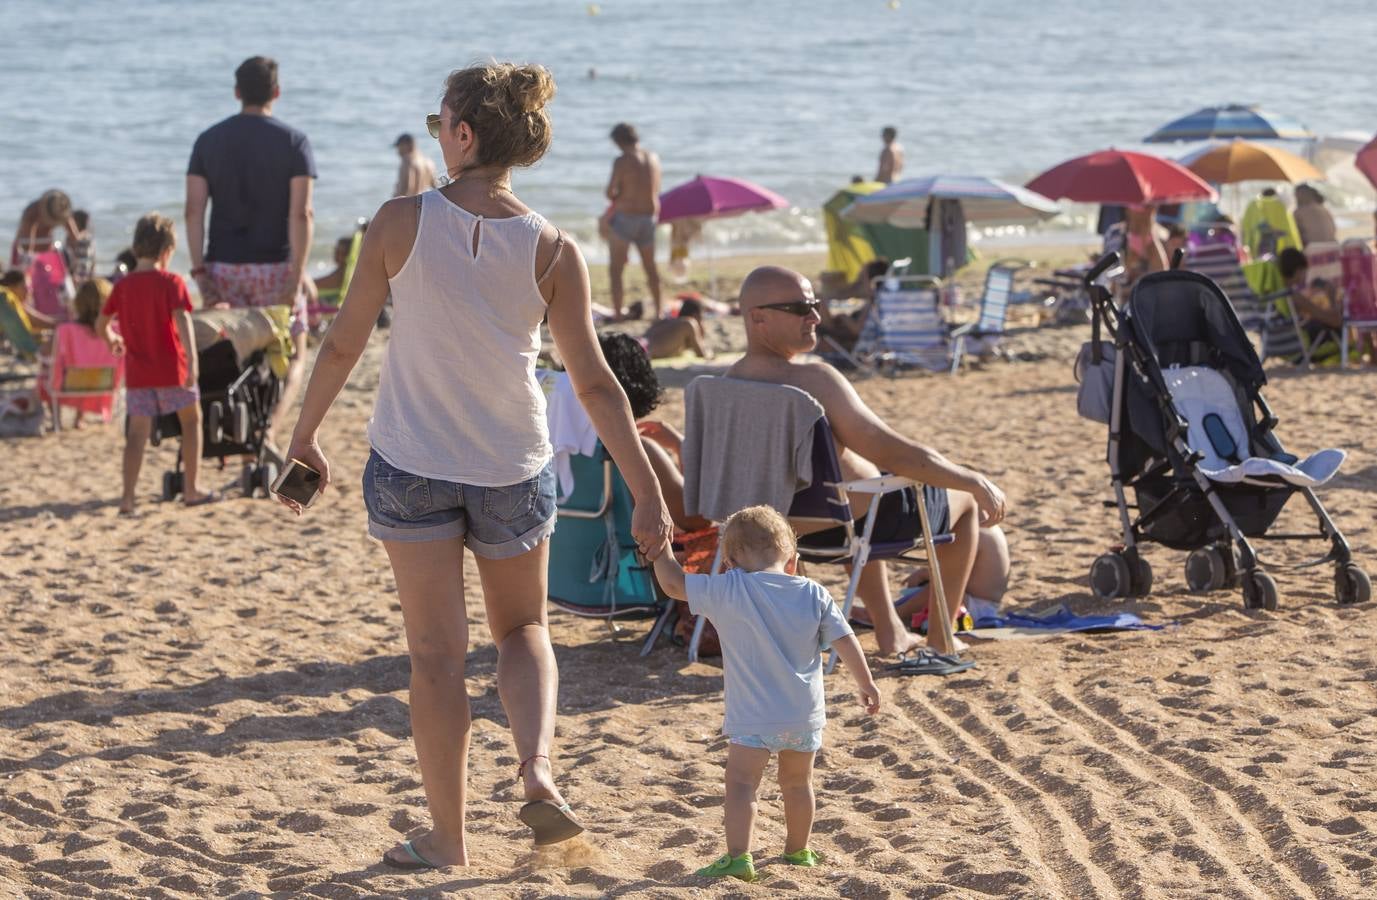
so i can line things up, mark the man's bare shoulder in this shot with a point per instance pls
(819, 379)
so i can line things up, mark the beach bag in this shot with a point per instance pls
(1095, 372)
(21, 415)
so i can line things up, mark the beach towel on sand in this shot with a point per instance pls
(1014, 625)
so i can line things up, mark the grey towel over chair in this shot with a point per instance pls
(745, 443)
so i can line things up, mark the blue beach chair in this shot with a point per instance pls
(988, 327)
(593, 567)
(904, 326)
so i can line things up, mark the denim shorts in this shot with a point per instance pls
(495, 522)
(797, 741)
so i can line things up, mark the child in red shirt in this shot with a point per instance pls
(154, 312)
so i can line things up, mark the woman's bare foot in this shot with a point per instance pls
(432, 849)
(126, 507)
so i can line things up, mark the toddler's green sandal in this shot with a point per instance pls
(727, 866)
(804, 857)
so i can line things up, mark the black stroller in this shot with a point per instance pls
(1205, 478)
(237, 401)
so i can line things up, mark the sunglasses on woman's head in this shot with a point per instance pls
(433, 125)
(798, 308)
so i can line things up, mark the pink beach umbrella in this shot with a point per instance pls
(706, 197)
(1366, 161)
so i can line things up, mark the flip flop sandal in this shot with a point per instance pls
(928, 662)
(207, 497)
(417, 861)
(551, 822)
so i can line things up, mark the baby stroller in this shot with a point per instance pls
(1190, 433)
(237, 401)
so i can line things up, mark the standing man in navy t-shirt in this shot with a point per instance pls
(256, 172)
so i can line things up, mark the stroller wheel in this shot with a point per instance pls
(1259, 591)
(215, 418)
(170, 480)
(248, 479)
(1351, 585)
(1142, 578)
(239, 422)
(1205, 570)
(1109, 577)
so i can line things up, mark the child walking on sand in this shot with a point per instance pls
(773, 624)
(154, 312)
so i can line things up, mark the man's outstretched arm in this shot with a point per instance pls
(857, 427)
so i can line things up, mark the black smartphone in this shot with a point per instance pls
(299, 483)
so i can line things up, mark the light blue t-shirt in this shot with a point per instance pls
(772, 627)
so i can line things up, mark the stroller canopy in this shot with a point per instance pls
(1181, 318)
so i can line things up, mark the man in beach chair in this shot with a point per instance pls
(781, 318)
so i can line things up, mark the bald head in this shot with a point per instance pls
(770, 284)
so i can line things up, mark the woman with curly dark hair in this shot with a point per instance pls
(630, 365)
(461, 456)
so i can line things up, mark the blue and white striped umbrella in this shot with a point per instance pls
(984, 201)
(1232, 121)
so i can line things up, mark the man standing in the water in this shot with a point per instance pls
(634, 190)
(891, 157)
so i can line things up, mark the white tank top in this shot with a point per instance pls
(457, 396)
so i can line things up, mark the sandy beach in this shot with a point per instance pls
(213, 701)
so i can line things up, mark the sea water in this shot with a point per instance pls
(104, 98)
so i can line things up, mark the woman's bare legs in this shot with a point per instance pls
(514, 592)
(430, 585)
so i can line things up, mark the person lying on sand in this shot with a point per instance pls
(781, 319)
(667, 338)
(772, 622)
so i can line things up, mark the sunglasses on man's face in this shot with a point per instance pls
(798, 308)
(433, 125)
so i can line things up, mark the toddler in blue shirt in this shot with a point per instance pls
(773, 625)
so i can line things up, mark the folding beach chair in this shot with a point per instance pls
(593, 569)
(328, 300)
(820, 508)
(97, 382)
(904, 326)
(988, 327)
(1360, 293)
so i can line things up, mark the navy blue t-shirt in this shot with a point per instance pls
(250, 162)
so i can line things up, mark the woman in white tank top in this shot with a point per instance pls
(460, 456)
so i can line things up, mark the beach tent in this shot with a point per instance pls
(850, 245)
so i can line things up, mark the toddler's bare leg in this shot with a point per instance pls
(796, 788)
(745, 765)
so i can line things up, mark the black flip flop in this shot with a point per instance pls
(929, 662)
(551, 822)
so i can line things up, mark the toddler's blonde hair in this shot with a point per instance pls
(757, 537)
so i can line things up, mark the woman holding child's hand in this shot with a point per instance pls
(460, 455)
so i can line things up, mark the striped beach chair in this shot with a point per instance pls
(1360, 292)
(984, 333)
(904, 327)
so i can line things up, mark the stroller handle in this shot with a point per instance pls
(1102, 265)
